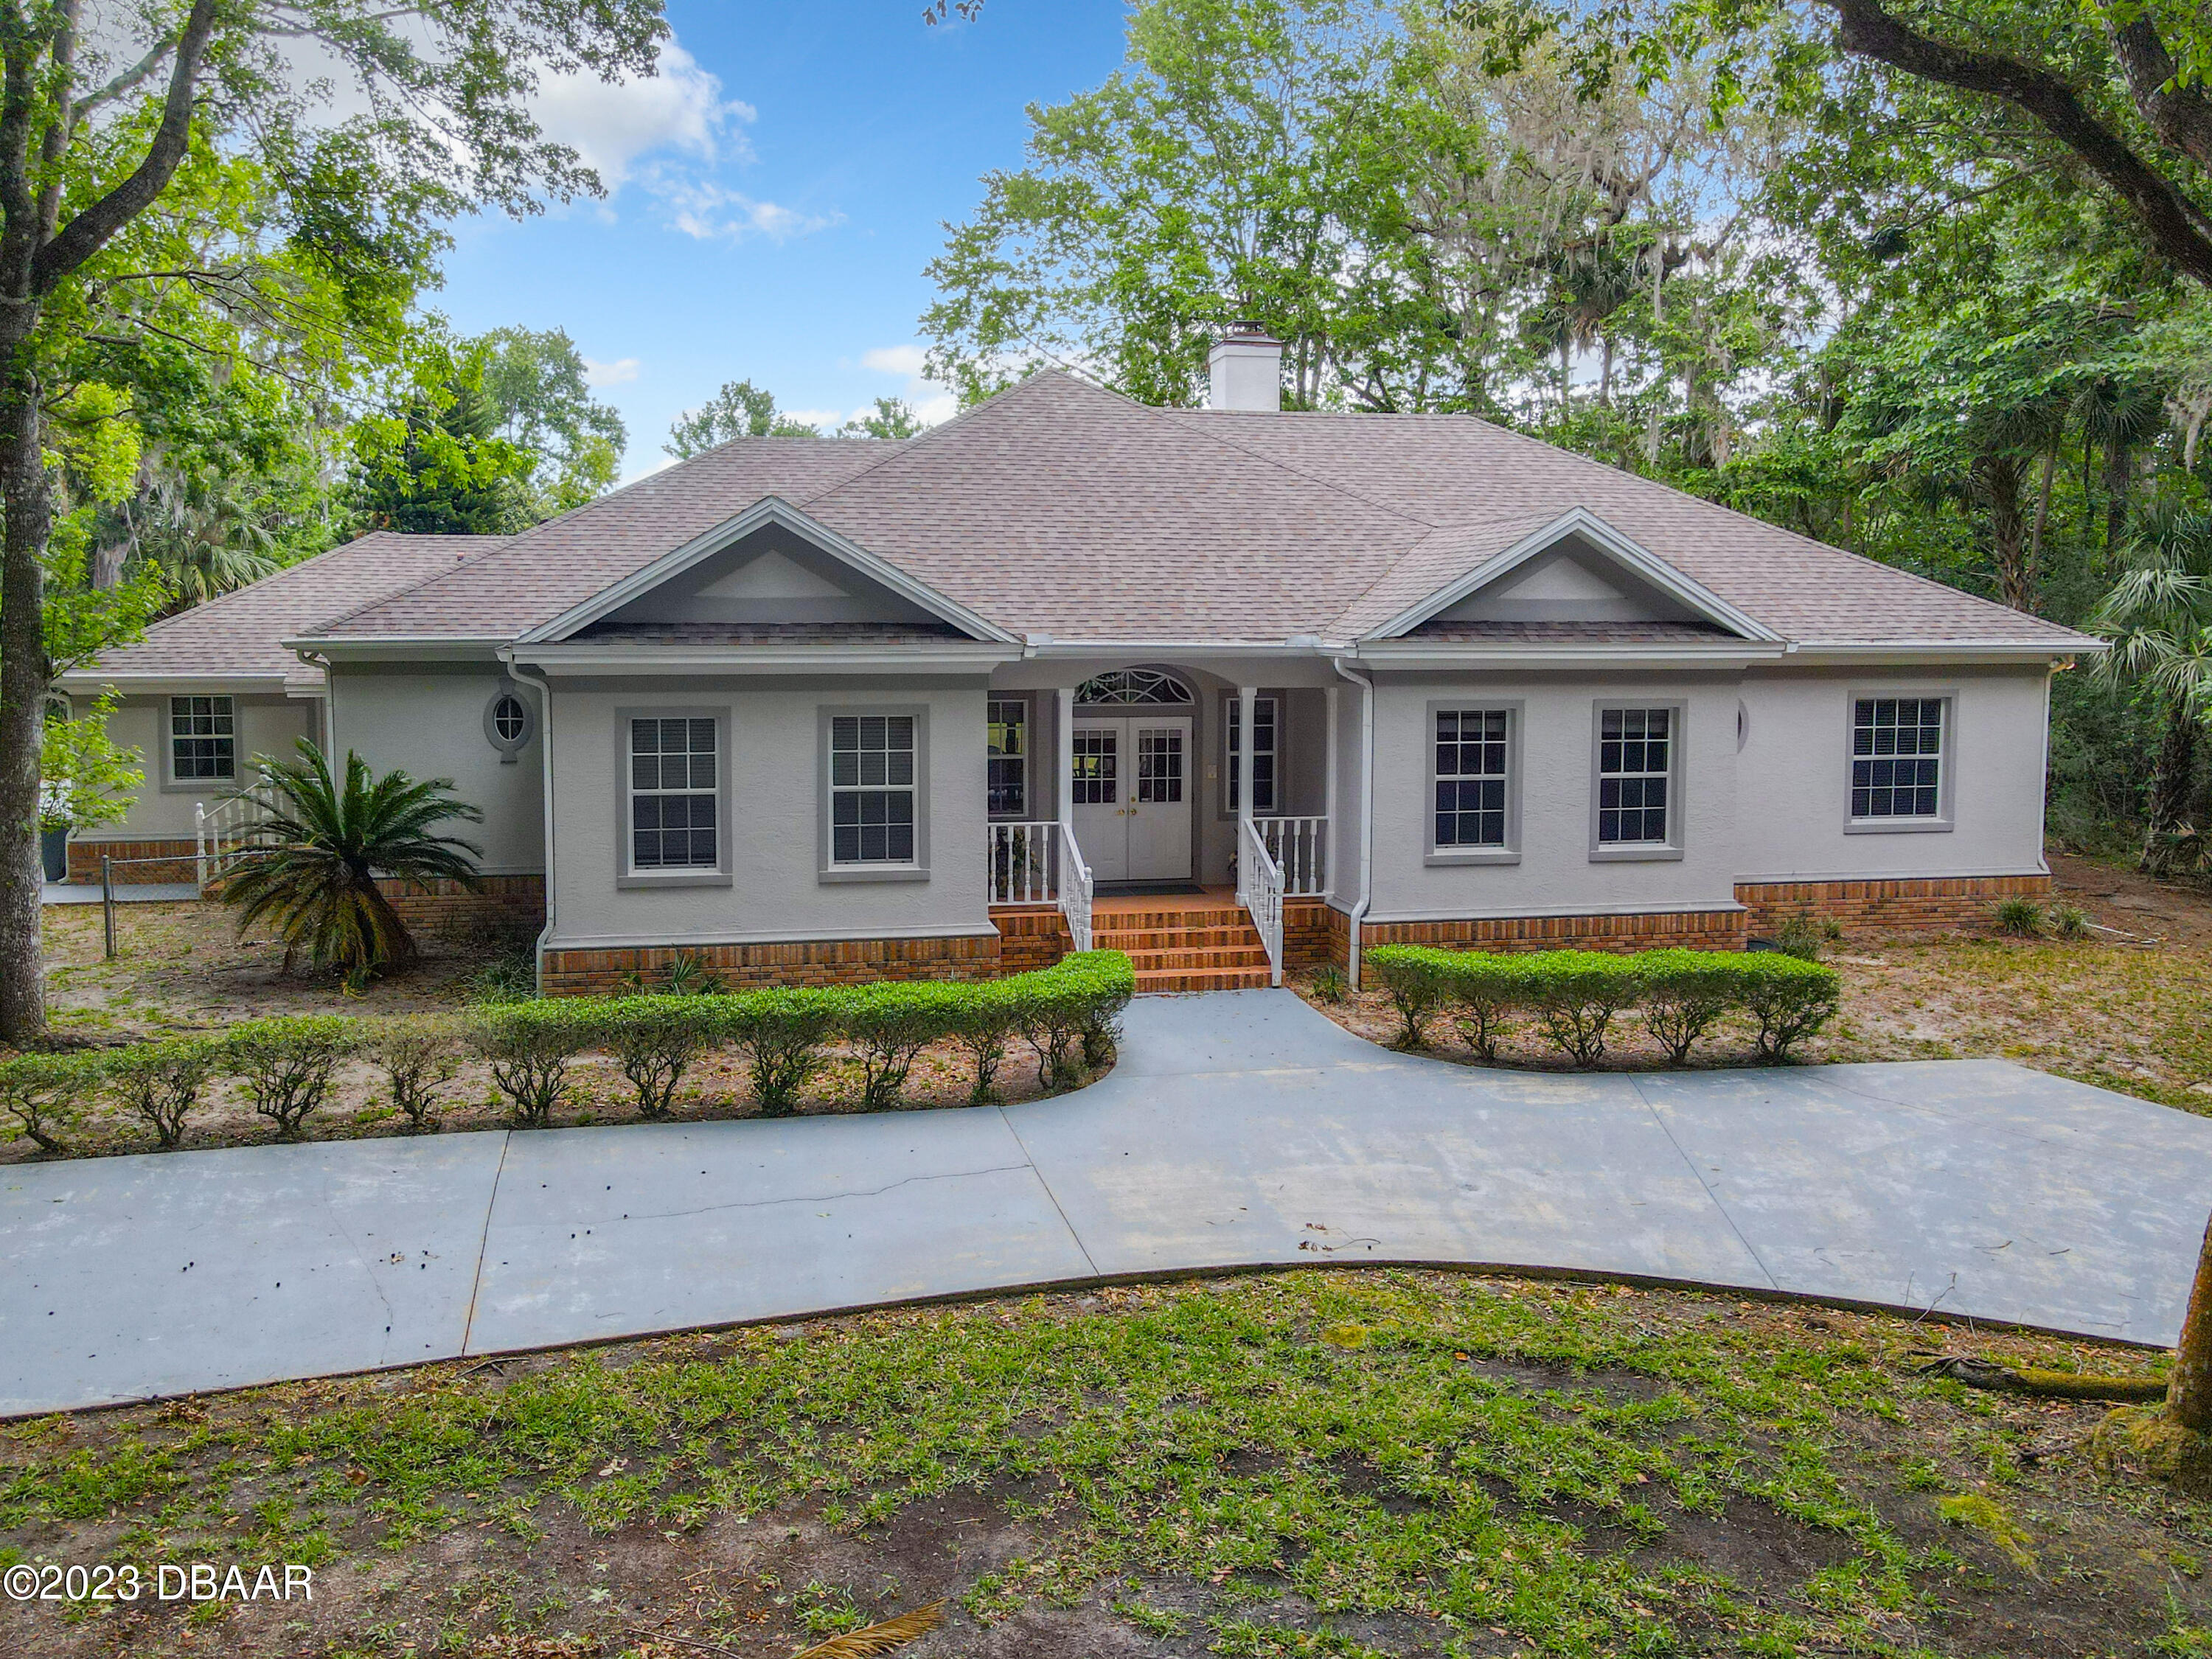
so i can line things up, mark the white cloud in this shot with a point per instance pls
(613, 123)
(932, 401)
(712, 212)
(815, 417)
(905, 359)
(613, 374)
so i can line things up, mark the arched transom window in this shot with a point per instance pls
(1141, 686)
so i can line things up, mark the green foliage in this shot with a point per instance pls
(2069, 922)
(1576, 994)
(160, 1081)
(1806, 935)
(418, 1056)
(41, 1095)
(892, 419)
(435, 463)
(2023, 918)
(84, 779)
(536, 383)
(529, 1045)
(891, 1024)
(287, 1064)
(1329, 984)
(658, 1040)
(313, 863)
(782, 1033)
(739, 409)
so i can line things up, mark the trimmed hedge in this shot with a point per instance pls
(1574, 996)
(1069, 1013)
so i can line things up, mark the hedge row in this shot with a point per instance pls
(1068, 1013)
(1573, 996)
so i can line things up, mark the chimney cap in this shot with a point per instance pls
(1247, 330)
(1244, 369)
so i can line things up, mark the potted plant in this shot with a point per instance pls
(84, 782)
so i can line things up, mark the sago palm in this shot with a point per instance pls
(311, 866)
(2159, 619)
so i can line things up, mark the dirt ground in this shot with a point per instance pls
(1347, 1464)
(2129, 1008)
(181, 968)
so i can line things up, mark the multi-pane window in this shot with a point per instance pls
(1095, 782)
(1634, 751)
(1007, 745)
(510, 720)
(1159, 765)
(202, 738)
(872, 783)
(1471, 777)
(673, 805)
(1264, 730)
(1897, 757)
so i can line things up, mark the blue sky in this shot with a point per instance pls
(777, 191)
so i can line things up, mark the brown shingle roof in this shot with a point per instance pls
(1060, 508)
(238, 633)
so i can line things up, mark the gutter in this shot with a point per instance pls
(328, 737)
(545, 690)
(1367, 809)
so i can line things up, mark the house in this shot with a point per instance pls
(1235, 687)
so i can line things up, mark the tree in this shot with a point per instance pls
(311, 866)
(739, 409)
(535, 381)
(2159, 618)
(435, 464)
(894, 418)
(175, 173)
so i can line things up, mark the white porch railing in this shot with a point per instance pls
(1299, 847)
(1260, 890)
(1022, 863)
(223, 831)
(1074, 888)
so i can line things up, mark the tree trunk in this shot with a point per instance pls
(2116, 501)
(22, 695)
(1605, 373)
(2042, 507)
(2172, 780)
(2189, 1398)
(1996, 479)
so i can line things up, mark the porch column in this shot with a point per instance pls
(1329, 805)
(1063, 734)
(1246, 696)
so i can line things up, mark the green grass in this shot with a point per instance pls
(1475, 1456)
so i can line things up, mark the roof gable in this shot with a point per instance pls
(770, 564)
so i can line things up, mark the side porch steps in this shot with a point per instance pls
(1214, 948)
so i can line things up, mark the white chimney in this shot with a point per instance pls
(1244, 370)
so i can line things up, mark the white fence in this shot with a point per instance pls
(1022, 863)
(1260, 890)
(223, 831)
(1299, 847)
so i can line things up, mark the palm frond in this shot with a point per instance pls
(878, 1639)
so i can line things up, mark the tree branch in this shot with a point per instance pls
(2179, 228)
(125, 81)
(87, 233)
(2179, 115)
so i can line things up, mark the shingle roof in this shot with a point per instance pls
(238, 635)
(1060, 508)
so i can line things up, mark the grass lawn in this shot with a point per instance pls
(1344, 1463)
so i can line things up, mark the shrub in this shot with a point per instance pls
(2069, 922)
(687, 976)
(891, 1024)
(1684, 993)
(1329, 983)
(418, 1057)
(1791, 999)
(44, 1094)
(983, 1024)
(1099, 985)
(656, 1039)
(1486, 987)
(1575, 993)
(510, 976)
(1805, 935)
(286, 1064)
(530, 1045)
(1418, 979)
(781, 1033)
(162, 1081)
(2022, 918)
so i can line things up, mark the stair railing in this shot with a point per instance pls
(1299, 847)
(1260, 890)
(1074, 888)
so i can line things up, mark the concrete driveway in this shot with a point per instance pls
(1238, 1128)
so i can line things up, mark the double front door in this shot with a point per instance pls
(1131, 797)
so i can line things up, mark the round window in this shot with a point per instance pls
(506, 723)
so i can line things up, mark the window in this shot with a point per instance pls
(1007, 745)
(1159, 765)
(1144, 687)
(872, 789)
(1472, 756)
(507, 724)
(1265, 729)
(1897, 757)
(202, 738)
(1635, 763)
(1095, 782)
(675, 815)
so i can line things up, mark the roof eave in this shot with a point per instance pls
(630, 658)
(1458, 654)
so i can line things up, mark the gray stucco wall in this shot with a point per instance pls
(776, 763)
(268, 724)
(429, 718)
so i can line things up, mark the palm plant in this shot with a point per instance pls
(312, 864)
(2159, 618)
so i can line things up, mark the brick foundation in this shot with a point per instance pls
(1313, 931)
(807, 962)
(1696, 930)
(1906, 904)
(1030, 938)
(446, 909)
(180, 861)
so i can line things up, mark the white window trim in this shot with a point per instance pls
(1634, 851)
(1029, 754)
(832, 872)
(626, 874)
(510, 753)
(1230, 701)
(1513, 709)
(1946, 761)
(174, 784)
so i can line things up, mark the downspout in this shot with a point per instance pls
(1366, 810)
(326, 735)
(545, 690)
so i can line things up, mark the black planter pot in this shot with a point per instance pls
(53, 848)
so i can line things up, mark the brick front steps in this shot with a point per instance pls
(1202, 946)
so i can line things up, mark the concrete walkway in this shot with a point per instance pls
(1240, 1127)
(145, 892)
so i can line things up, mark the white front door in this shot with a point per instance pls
(1131, 797)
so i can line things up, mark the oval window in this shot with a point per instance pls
(507, 724)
